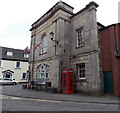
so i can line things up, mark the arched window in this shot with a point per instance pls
(8, 74)
(42, 74)
(44, 44)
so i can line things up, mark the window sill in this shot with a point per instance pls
(23, 79)
(17, 68)
(43, 53)
(80, 46)
(81, 80)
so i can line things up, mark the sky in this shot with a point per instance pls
(17, 16)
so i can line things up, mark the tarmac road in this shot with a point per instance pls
(12, 103)
(30, 100)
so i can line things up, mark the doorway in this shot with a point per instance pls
(108, 83)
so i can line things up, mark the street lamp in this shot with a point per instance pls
(52, 37)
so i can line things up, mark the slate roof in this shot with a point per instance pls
(18, 55)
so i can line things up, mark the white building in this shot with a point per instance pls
(13, 64)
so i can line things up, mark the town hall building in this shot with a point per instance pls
(62, 40)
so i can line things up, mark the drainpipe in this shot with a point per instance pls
(116, 45)
(33, 57)
(115, 38)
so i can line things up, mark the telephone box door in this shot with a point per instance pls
(68, 81)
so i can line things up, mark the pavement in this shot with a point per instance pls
(18, 91)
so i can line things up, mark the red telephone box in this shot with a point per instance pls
(68, 81)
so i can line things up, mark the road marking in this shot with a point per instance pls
(2, 96)
(30, 99)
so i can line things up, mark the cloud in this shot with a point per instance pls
(16, 17)
(19, 42)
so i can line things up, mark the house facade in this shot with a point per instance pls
(110, 52)
(67, 41)
(13, 64)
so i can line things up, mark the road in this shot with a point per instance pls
(12, 103)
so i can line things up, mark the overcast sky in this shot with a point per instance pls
(17, 16)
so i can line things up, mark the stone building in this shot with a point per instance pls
(61, 39)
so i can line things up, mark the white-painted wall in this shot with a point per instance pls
(11, 65)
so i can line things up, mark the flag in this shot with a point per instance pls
(27, 50)
(38, 45)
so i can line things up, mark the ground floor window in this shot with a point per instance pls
(8, 74)
(81, 71)
(42, 75)
(24, 76)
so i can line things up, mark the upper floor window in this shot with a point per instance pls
(18, 65)
(81, 71)
(9, 53)
(43, 48)
(26, 55)
(0, 63)
(80, 38)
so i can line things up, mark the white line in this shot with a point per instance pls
(30, 99)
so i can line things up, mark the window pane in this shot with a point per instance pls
(9, 53)
(24, 76)
(44, 44)
(80, 40)
(0, 63)
(18, 64)
(43, 75)
(81, 70)
(26, 55)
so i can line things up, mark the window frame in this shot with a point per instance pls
(9, 53)
(25, 76)
(43, 73)
(81, 71)
(43, 48)
(80, 37)
(1, 63)
(19, 65)
(26, 55)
